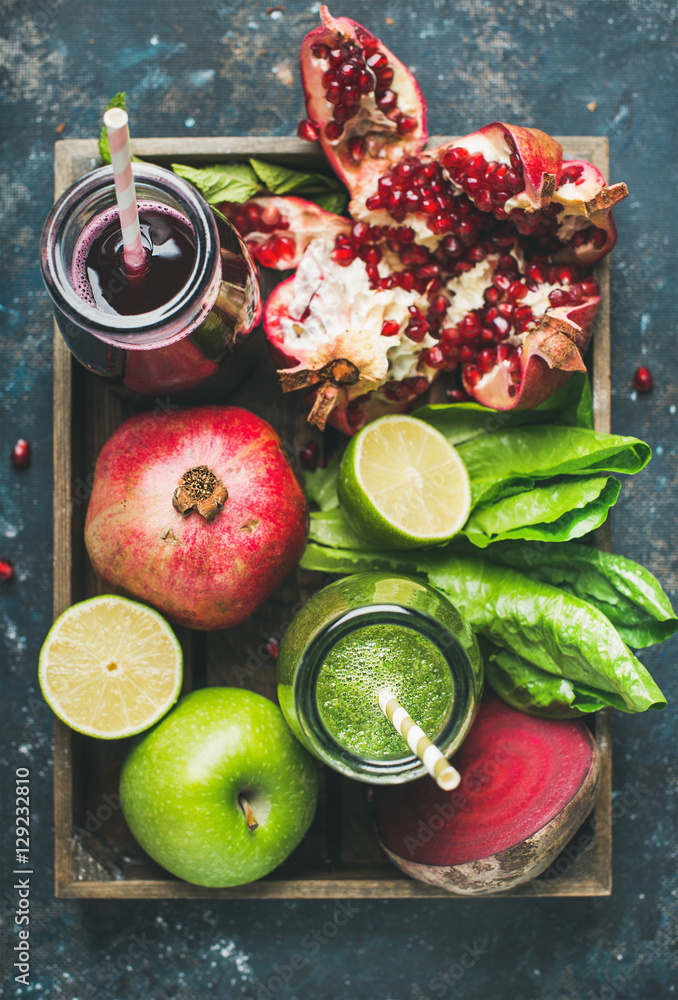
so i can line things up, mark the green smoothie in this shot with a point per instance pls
(368, 659)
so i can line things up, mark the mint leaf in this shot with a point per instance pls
(336, 201)
(219, 182)
(117, 101)
(282, 180)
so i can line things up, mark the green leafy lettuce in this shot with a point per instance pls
(533, 622)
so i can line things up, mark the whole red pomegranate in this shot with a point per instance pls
(196, 512)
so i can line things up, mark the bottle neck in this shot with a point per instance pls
(76, 214)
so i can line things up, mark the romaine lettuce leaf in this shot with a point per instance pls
(554, 631)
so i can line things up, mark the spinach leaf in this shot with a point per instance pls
(512, 461)
(222, 181)
(556, 512)
(556, 632)
(626, 593)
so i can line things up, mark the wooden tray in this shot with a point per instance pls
(95, 854)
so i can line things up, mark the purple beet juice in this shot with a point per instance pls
(99, 274)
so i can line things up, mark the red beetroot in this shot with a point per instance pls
(196, 512)
(527, 784)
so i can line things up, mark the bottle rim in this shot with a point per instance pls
(387, 770)
(159, 327)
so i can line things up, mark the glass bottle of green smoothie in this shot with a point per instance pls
(364, 634)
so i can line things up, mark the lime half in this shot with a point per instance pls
(402, 484)
(110, 667)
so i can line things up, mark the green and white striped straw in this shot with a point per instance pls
(433, 759)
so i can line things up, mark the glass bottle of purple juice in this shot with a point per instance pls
(178, 325)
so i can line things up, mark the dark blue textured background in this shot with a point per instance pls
(213, 68)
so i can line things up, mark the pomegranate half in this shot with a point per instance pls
(197, 512)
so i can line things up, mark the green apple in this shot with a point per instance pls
(219, 792)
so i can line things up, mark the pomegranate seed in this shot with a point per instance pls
(405, 235)
(590, 287)
(406, 124)
(309, 456)
(513, 181)
(390, 328)
(348, 71)
(559, 297)
(333, 131)
(537, 273)
(429, 271)
(20, 455)
(417, 384)
(360, 232)
(6, 570)
(487, 335)
(341, 113)
(492, 294)
(643, 379)
(406, 169)
(517, 291)
(434, 357)
(420, 255)
(472, 375)
(336, 57)
(439, 305)
(307, 130)
(416, 331)
(516, 364)
(385, 76)
(442, 223)
(476, 253)
(370, 254)
(333, 92)
(377, 61)
(599, 237)
(503, 352)
(365, 82)
(458, 396)
(483, 200)
(396, 391)
(576, 293)
(405, 280)
(454, 156)
(501, 281)
(344, 254)
(272, 648)
(522, 317)
(320, 51)
(387, 100)
(451, 246)
(466, 353)
(486, 360)
(351, 96)
(412, 201)
(375, 201)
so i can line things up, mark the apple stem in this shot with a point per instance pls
(249, 815)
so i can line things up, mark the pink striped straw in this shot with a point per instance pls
(115, 120)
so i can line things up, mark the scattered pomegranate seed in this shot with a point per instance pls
(20, 455)
(643, 379)
(309, 455)
(6, 570)
(272, 648)
(307, 130)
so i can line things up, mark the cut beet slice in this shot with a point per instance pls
(527, 785)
